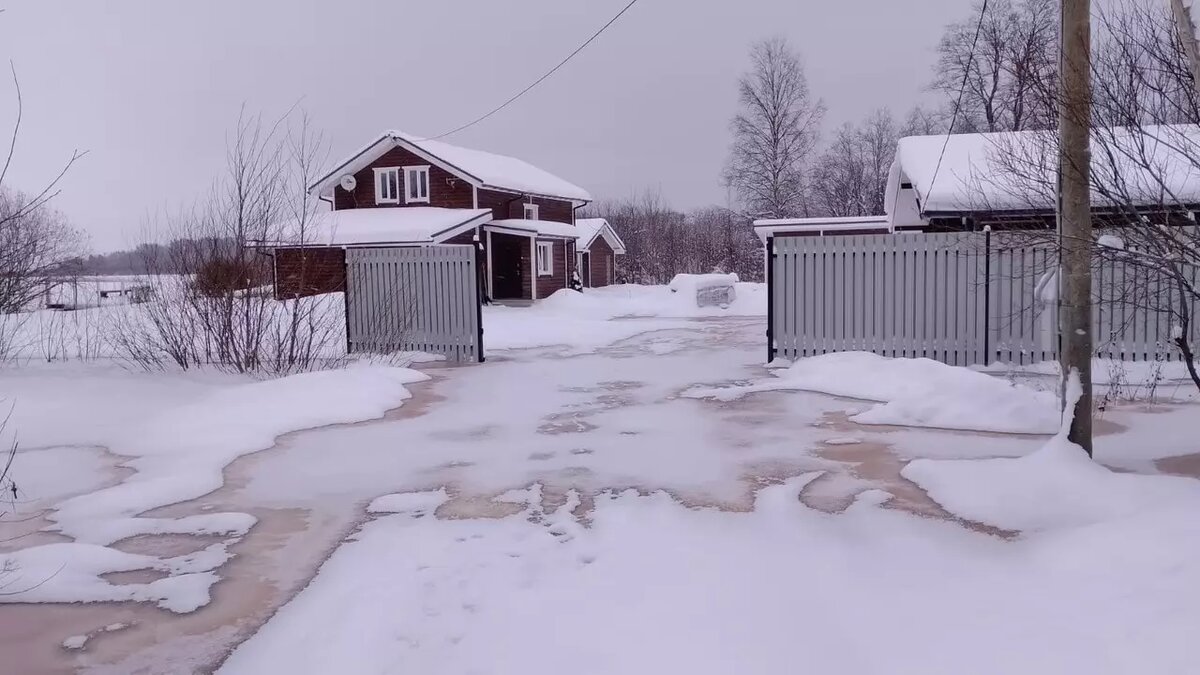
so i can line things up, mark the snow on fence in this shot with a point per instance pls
(959, 298)
(423, 299)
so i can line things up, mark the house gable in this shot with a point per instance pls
(481, 170)
(446, 189)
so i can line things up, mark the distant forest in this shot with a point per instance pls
(119, 262)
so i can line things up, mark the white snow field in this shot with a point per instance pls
(626, 489)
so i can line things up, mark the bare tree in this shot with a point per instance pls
(850, 177)
(775, 133)
(1008, 75)
(36, 243)
(214, 302)
(661, 242)
(922, 121)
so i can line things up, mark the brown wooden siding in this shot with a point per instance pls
(509, 205)
(500, 203)
(446, 190)
(301, 272)
(556, 281)
(603, 259)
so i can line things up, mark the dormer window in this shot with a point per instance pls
(531, 212)
(416, 184)
(387, 185)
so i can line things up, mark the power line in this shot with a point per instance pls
(961, 91)
(541, 79)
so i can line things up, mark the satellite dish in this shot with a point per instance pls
(348, 183)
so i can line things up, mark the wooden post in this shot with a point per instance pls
(1074, 222)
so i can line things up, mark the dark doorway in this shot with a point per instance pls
(509, 260)
(585, 268)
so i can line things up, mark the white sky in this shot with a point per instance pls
(150, 88)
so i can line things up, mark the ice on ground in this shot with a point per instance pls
(912, 392)
(75, 642)
(180, 452)
(645, 590)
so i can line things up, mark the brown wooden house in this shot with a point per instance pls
(403, 191)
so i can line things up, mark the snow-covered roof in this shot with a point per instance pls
(591, 229)
(484, 169)
(407, 225)
(768, 227)
(548, 228)
(1015, 171)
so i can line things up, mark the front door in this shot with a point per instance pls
(508, 266)
(585, 268)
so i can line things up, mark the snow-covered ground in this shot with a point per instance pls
(627, 489)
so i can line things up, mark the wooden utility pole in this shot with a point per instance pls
(1075, 213)
(1187, 35)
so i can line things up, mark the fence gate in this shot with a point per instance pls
(961, 298)
(414, 299)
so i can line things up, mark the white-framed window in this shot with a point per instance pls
(416, 184)
(531, 212)
(545, 258)
(387, 185)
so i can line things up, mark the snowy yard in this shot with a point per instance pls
(621, 488)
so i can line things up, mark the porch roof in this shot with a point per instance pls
(540, 228)
(374, 226)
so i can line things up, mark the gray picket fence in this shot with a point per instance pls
(959, 298)
(414, 299)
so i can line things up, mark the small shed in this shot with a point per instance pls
(596, 252)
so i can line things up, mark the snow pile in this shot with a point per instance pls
(688, 284)
(708, 290)
(1055, 487)
(913, 392)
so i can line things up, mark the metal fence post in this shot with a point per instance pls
(770, 299)
(987, 295)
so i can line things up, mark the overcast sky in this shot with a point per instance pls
(150, 88)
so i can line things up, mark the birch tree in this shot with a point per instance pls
(774, 134)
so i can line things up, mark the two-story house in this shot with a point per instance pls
(404, 191)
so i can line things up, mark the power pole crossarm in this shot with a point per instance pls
(1187, 20)
(1075, 214)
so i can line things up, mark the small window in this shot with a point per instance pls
(531, 212)
(545, 258)
(387, 186)
(416, 184)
